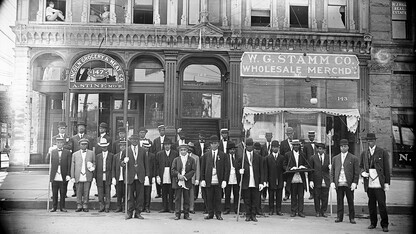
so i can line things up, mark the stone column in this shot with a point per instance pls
(156, 16)
(171, 93)
(20, 101)
(235, 98)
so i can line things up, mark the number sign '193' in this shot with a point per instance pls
(299, 65)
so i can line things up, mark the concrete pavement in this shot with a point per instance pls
(29, 190)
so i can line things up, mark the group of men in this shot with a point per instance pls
(218, 167)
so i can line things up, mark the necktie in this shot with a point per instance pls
(213, 159)
(322, 159)
(268, 147)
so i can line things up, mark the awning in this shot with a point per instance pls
(353, 115)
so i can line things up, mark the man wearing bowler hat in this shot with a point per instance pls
(195, 177)
(214, 176)
(345, 173)
(118, 176)
(233, 180)
(319, 179)
(375, 170)
(103, 130)
(274, 168)
(286, 146)
(156, 148)
(142, 137)
(224, 140)
(150, 167)
(309, 149)
(62, 134)
(121, 137)
(103, 175)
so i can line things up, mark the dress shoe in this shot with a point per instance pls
(171, 211)
(158, 196)
(63, 210)
(176, 218)
(208, 217)
(338, 220)
(254, 219)
(352, 221)
(186, 217)
(106, 210)
(118, 210)
(371, 227)
(286, 198)
(115, 195)
(74, 195)
(301, 215)
(147, 210)
(96, 195)
(205, 212)
(318, 215)
(310, 197)
(129, 216)
(226, 212)
(248, 219)
(164, 211)
(101, 210)
(324, 215)
(78, 210)
(52, 210)
(279, 213)
(219, 217)
(192, 212)
(271, 213)
(293, 215)
(138, 216)
(85, 209)
(385, 229)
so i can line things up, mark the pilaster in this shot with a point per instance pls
(235, 91)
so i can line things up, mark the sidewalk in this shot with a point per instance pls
(29, 190)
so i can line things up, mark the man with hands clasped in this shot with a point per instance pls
(214, 176)
(344, 179)
(375, 170)
(253, 181)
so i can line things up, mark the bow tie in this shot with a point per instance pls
(83, 151)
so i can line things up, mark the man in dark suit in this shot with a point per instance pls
(266, 148)
(234, 179)
(274, 168)
(181, 139)
(375, 170)
(150, 167)
(60, 173)
(214, 176)
(257, 150)
(62, 134)
(344, 178)
(296, 161)
(102, 174)
(183, 169)
(142, 137)
(136, 178)
(286, 146)
(309, 149)
(253, 180)
(164, 159)
(319, 179)
(224, 140)
(200, 148)
(118, 176)
(103, 130)
(121, 137)
(156, 148)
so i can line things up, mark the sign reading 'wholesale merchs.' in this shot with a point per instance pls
(299, 65)
(85, 74)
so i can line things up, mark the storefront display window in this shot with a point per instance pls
(404, 137)
(85, 107)
(49, 67)
(201, 104)
(202, 76)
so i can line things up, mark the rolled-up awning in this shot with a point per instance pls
(353, 115)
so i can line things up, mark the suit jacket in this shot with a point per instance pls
(75, 145)
(257, 170)
(99, 170)
(65, 164)
(274, 170)
(240, 149)
(234, 162)
(221, 146)
(115, 171)
(116, 147)
(67, 139)
(162, 159)
(139, 169)
(156, 146)
(308, 150)
(198, 148)
(264, 151)
(221, 165)
(380, 163)
(197, 174)
(76, 165)
(150, 159)
(285, 147)
(320, 171)
(98, 148)
(351, 169)
(176, 169)
(291, 162)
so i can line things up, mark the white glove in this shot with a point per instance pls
(302, 167)
(113, 181)
(73, 180)
(67, 178)
(365, 174)
(126, 160)
(223, 184)
(329, 166)
(241, 171)
(180, 177)
(332, 185)
(284, 183)
(261, 187)
(311, 184)
(203, 184)
(293, 168)
(196, 182)
(386, 187)
(158, 181)
(153, 180)
(146, 181)
(353, 186)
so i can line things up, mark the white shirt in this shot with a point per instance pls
(214, 179)
(104, 163)
(251, 182)
(224, 144)
(233, 176)
(202, 148)
(58, 175)
(121, 168)
(184, 159)
(372, 149)
(83, 176)
(296, 156)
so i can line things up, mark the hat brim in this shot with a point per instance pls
(104, 145)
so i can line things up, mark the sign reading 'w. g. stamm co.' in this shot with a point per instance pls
(96, 71)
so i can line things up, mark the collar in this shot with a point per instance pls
(167, 152)
(344, 154)
(184, 157)
(372, 149)
(102, 134)
(215, 151)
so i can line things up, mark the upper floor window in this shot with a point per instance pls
(194, 8)
(260, 13)
(299, 14)
(99, 11)
(399, 17)
(337, 14)
(143, 12)
(55, 10)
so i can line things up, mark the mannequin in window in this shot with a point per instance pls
(53, 14)
(105, 16)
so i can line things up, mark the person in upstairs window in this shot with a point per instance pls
(53, 14)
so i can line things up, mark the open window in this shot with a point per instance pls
(337, 10)
(55, 10)
(143, 12)
(260, 13)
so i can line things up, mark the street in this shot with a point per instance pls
(40, 221)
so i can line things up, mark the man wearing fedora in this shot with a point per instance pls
(82, 169)
(103, 174)
(286, 146)
(195, 177)
(183, 169)
(344, 178)
(62, 134)
(142, 137)
(137, 176)
(274, 168)
(164, 159)
(375, 170)
(296, 160)
(157, 146)
(118, 176)
(319, 179)
(214, 177)
(60, 173)
(103, 130)
(233, 179)
(121, 137)
(309, 149)
(149, 160)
